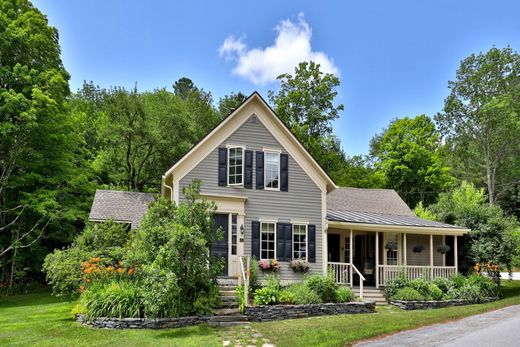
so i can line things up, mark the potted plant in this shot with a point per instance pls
(443, 249)
(391, 245)
(300, 265)
(418, 248)
(269, 264)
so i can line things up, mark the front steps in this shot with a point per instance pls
(228, 314)
(374, 294)
(227, 288)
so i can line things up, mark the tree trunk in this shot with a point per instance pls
(13, 261)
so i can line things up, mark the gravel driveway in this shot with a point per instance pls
(496, 328)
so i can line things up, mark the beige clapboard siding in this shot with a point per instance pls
(301, 202)
(423, 258)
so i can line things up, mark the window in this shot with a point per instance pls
(267, 240)
(347, 250)
(234, 234)
(272, 170)
(299, 241)
(391, 249)
(235, 165)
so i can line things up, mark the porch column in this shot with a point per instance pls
(455, 254)
(377, 259)
(404, 250)
(351, 257)
(444, 255)
(431, 256)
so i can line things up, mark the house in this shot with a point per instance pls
(275, 201)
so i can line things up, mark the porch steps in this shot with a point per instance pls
(374, 294)
(228, 314)
(227, 287)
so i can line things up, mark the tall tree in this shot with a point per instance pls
(228, 103)
(42, 184)
(305, 103)
(481, 119)
(407, 152)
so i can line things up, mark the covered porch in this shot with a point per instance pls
(374, 253)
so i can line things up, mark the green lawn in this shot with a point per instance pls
(39, 319)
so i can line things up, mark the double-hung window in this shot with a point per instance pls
(299, 241)
(267, 240)
(235, 166)
(272, 170)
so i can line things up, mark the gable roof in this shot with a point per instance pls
(126, 207)
(385, 201)
(273, 124)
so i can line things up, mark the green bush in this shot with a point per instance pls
(324, 286)
(286, 297)
(421, 285)
(303, 294)
(488, 287)
(458, 280)
(266, 296)
(160, 292)
(393, 286)
(444, 284)
(408, 294)
(239, 292)
(434, 292)
(467, 292)
(344, 294)
(112, 299)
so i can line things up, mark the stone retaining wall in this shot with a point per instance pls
(278, 312)
(422, 305)
(142, 323)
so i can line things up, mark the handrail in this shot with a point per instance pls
(361, 280)
(245, 278)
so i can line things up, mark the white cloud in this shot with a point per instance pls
(292, 46)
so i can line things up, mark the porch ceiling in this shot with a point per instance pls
(387, 222)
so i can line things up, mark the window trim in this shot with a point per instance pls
(229, 148)
(271, 151)
(274, 232)
(306, 225)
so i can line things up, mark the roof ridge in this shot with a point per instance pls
(389, 189)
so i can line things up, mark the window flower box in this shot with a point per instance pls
(269, 265)
(300, 265)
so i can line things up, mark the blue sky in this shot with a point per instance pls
(394, 58)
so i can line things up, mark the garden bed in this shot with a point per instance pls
(424, 305)
(265, 313)
(142, 323)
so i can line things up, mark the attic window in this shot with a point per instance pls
(235, 166)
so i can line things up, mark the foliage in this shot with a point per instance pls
(407, 152)
(344, 294)
(443, 249)
(160, 292)
(287, 297)
(266, 296)
(63, 267)
(391, 245)
(408, 294)
(228, 103)
(422, 212)
(253, 276)
(324, 286)
(239, 292)
(303, 294)
(458, 280)
(480, 120)
(418, 248)
(300, 265)
(434, 292)
(421, 285)
(444, 284)
(393, 286)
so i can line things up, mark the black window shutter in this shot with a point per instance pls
(259, 170)
(284, 172)
(222, 167)
(248, 169)
(288, 242)
(255, 239)
(312, 243)
(280, 242)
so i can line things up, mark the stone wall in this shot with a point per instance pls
(278, 312)
(142, 323)
(422, 305)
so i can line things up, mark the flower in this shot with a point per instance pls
(300, 265)
(120, 270)
(269, 264)
(131, 271)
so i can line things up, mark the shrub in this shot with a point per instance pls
(467, 292)
(487, 286)
(239, 292)
(286, 297)
(408, 294)
(160, 292)
(324, 286)
(444, 284)
(344, 294)
(273, 281)
(303, 294)
(458, 280)
(434, 292)
(253, 276)
(112, 299)
(421, 285)
(266, 296)
(395, 284)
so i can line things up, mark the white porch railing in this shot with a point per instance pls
(389, 272)
(341, 271)
(244, 276)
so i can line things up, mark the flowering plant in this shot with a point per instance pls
(443, 249)
(269, 264)
(300, 265)
(95, 271)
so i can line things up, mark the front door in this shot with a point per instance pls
(233, 245)
(333, 247)
(220, 247)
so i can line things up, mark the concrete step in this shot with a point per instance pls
(226, 311)
(227, 281)
(227, 293)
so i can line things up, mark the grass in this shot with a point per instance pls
(39, 319)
